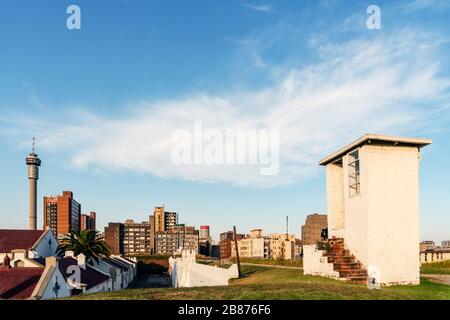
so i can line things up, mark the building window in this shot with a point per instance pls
(353, 172)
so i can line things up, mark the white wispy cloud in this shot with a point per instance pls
(259, 7)
(415, 5)
(390, 85)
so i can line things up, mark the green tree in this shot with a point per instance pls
(87, 242)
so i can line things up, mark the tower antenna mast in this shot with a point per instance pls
(287, 226)
(33, 162)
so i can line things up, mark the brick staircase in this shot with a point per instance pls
(344, 262)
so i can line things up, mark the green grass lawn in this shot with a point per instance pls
(436, 268)
(271, 283)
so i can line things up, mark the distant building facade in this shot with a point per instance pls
(114, 235)
(226, 238)
(298, 249)
(281, 246)
(62, 213)
(179, 237)
(426, 245)
(445, 244)
(252, 246)
(129, 239)
(312, 229)
(204, 241)
(204, 232)
(136, 239)
(87, 222)
(164, 220)
(434, 255)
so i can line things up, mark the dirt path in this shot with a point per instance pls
(151, 281)
(439, 278)
(270, 266)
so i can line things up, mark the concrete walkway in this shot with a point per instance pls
(270, 266)
(439, 278)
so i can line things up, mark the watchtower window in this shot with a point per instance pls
(353, 172)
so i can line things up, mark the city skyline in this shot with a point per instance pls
(102, 132)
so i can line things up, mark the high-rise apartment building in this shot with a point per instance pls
(87, 222)
(179, 237)
(164, 220)
(161, 222)
(129, 238)
(136, 240)
(62, 213)
(312, 229)
(159, 219)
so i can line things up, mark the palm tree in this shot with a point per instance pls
(87, 242)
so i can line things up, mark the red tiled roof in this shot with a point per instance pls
(19, 283)
(90, 276)
(18, 239)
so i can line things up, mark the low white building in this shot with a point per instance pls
(121, 271)
(39, 244)
(185, 272)
(32, 282)
(373, 210)
(82, 277)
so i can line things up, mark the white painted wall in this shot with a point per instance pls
(105, 268)
(380, 226)
(335, 200)
(64, 289)
(21, 255)
(43, 248)
(185, 272)
(392, 193)
(314, 263)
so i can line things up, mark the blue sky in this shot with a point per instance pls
(103, 101)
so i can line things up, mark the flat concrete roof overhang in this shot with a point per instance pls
(369, 138)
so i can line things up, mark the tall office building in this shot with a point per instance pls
(33, 163)
(87, 222)
(62, 213)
